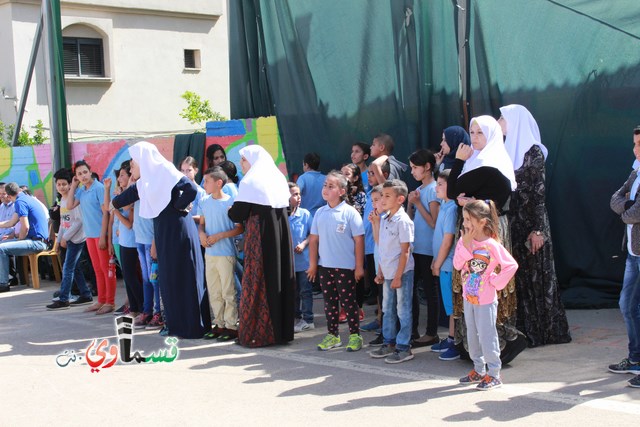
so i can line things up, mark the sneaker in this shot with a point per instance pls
(141, 321)
(121, 310)
(634, 382)
(361, 313)
(399, 356)
(382, 352)
(302, 325)
(73, 298)
(423, 341)
(378, 341)
(451, 354)
(227, 335)
(58, 305)
(489, 383)
(472, 377)
(164, 332)
(156, 321)
(625, 367)
(371, 326)
(342, 318)
(330, 341)
(81, 301)
(355, 342)
(443, 346)
(213, 334)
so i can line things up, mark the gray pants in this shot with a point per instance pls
(484, 346)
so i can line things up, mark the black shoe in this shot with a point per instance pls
(56, 294)
(82, 301)
(14, 282)
(4, 287)
(377, 342)
(121, 310)
(214, 333)
(227, 335)
(419, 342)
(58, 305)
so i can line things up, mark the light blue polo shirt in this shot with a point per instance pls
(215, 212)
(393, 231)
(126, 236)
(201, 194)
(311, 184)
(445, 224)
(300, 224)
(231, 189)
(336, 228)
(365, 180)
(423, 244)
(91, 201)
(142, 227)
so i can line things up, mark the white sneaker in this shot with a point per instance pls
(302, 325)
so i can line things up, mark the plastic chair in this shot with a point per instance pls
(33, 265)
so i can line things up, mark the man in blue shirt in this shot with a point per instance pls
(33, 234)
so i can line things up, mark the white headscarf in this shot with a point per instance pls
(263, 184)
(522, 133)
(157, 178)
(493, 154)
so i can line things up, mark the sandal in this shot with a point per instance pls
(106, 308)
(93, 307)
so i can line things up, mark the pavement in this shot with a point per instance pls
(225, 384)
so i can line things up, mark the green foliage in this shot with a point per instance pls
(199, 111)
(24, 139)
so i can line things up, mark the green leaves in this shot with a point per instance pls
(198, 111)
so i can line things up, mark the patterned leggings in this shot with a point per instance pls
(339, 288)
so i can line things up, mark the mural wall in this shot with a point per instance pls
(32, 166)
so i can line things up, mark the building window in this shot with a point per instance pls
(192, 59)
(83, 57)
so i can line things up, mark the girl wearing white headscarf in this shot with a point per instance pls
(540, 313)
(268, 283)
(484, 171)
(165, 195)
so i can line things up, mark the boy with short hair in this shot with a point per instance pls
(310, 183)
(395, 271)
(216, 233)
(360, 153)
(382, 150)
(442, 265)
(300, 221)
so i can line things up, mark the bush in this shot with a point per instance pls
(24, 139)
(197, 111)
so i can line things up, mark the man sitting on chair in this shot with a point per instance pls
(33, 234)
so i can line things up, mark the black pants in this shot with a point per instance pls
(133, 285)
(339, 289)
(422, 272)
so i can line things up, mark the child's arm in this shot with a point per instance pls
(461, 255)
(300, 247)
(313, 257)
(202, 234)
(508, 267)
(71, 196)
(110, 234)
(443, 252)
(374, 219)
(376, 168)
(431, 217)
(359, 272)
(215, 238)
(405, 253)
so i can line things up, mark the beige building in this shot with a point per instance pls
(126, 64)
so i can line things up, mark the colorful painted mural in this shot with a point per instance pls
(32, 166)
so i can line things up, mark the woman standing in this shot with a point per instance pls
(541, 315)
(268, 283)
(484, 171)
(452, 137)
(165, 195)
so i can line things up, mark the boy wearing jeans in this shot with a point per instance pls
(300, 223)
(216, 231)
(396, 271)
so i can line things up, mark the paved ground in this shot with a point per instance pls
(225, 384)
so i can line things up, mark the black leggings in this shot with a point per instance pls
(339, 289)
(129, 262)
(423, 271)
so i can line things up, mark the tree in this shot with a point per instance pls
(199, 111)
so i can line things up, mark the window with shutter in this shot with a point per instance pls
(83, 57)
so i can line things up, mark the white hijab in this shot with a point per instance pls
(263, 184)
(493, 154)
(158, 176)
(522, 133)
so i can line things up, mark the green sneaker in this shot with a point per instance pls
(355, 342)
(330, 341)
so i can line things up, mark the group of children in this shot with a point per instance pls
(333, 237)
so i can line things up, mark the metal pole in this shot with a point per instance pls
(27, 81)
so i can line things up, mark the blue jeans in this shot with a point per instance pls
(71, 270)
(304, 298)
(151, 292)
(16, 247)
(396, 304)
(630, 305)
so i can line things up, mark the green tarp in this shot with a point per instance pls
(336, 72)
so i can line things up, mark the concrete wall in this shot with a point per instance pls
(144, 44)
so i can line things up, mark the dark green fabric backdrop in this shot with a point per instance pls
(335, 72)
